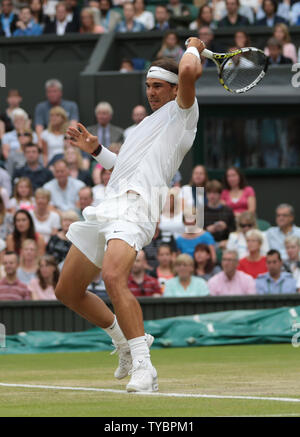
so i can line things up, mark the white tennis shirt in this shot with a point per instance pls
(151, 154)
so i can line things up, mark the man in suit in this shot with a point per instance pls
(271, 18)
(275, 53)
(233, 18)
(8, 19)
(61, 25)
(106, 132)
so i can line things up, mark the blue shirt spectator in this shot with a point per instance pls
(129, 24)
(26, 24)
(295, 14)
(275, 281)
(276, 234)
(8, 18)
(187, 245)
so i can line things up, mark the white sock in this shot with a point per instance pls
(139, 349)
(115, 332)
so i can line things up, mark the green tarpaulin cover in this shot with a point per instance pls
(278, 325)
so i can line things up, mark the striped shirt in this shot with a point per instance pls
(148, 287)
(14, 291)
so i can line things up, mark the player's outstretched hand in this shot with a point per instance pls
(81, 138)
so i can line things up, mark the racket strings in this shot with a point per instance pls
(243, 69)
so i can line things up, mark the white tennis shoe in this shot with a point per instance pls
(143, 377)
(125, 359)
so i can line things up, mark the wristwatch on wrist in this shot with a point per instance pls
(97, 151)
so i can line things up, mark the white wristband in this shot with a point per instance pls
(193, 51)
(106, 158)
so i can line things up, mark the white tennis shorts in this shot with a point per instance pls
(102, 224)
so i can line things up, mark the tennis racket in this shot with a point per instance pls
(239, 70)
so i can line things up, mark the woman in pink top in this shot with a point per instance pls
(239, 196)
(281, 33)
(42, 287)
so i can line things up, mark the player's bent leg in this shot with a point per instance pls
(77, 273)
(117, 263)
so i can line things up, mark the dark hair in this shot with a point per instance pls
(209, 264)
(170, 32)
(17, 235)
(2, 210)
(274, 252)
(10, 252)
(274, 2)
(205, 171)
(40, 16)
(166, 63)
(199, 19)
(31, 145)
(164, 245)
(247, 37)
(213, 186)
(50, 260)
(242, 183)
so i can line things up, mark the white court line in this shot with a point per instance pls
(169, 395)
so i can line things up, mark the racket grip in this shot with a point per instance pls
(206, 53)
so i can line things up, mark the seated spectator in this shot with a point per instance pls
(204, 19)
(143, 16)
(185, 284)
(59, 245)
(61, 25)
(75, 165)
(33, 170)
(164, 271)
(205, 268)
(139, 283)
(285, 216)
(171, 218)
(292, 263)
(63, 188)
(16, 159)
(253, 264)
(275, 49)
(126, 66)
(26, 26)
(231, 281)
(139, 112)
(206, 34)
(295, 14)
(53, 137)
(42, 287)
(23, 196)
(241, 39)
(194, 235)
(129, 24)
(85, 198)
(36, 9)
(179, 14)
(106, 132)
(275, 281)
(14, 100)
(54, 94)
(99, 189)
(161, 18)
(271, 18)
(46, 222)
(152, 248)
(281, 33)
(170, 47)
(237, 240)
(88, 24)
(218, 218)
(8, 19)
(24, 229)
(239, 196)
(10, 140)
(232, 17)
(6, 221)
(28, 261)
(10, 286)
(97, 287)
(109, 18)
(73, 13)
(191, 196)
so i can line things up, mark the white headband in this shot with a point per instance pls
(161, 73)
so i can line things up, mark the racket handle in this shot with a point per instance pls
(206, 53)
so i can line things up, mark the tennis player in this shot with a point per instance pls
(120, 226)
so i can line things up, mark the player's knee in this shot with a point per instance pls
(113, 282)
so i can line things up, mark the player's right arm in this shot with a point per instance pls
(190, 69)
(80, 137)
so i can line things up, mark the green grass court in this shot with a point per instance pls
(259, 371)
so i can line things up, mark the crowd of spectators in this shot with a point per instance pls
(46, 183)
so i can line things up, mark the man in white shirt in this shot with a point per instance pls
(116, 229)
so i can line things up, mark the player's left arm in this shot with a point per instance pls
(190, 69)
